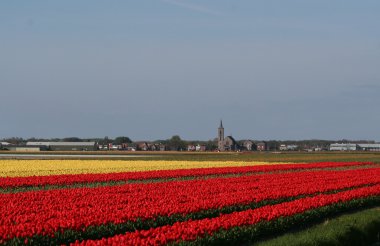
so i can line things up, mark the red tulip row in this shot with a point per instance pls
(191, 230)
(45, 212)
(68, 179)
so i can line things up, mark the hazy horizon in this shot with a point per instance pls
(157, 68)
(202, 140)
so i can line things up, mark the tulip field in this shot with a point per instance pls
(103, 202)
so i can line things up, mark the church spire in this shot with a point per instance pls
(221, 137)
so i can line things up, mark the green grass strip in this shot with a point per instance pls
(251, 235)
(359, 228)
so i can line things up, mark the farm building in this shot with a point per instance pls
(288, 147)
(143, 146)
(65, 146)
(147, 146)
(369, 147)
(343, 147)
(291, 147)
(249, 145)
(261, 146)
(22, 148)
(200, 147)
(3, 145)
(283, 147)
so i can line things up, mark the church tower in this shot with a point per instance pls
(221, 137)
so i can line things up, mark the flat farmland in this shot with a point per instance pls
(198, 156)
(188, 199)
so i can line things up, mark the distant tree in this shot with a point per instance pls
(211, 145)
(105, 141)
(160, 141)
(72, 139)
(33, 139)
(122, 139)
(136, 146)
(14, 140)
(176, 143)
(273, 145)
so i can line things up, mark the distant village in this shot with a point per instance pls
(175, 143)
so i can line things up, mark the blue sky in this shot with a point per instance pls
(155, 68)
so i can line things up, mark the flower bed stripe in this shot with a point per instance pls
(180, 178)
(191, 230)
(46, 212)
(24, 168)
(111, 229)
(13, 182)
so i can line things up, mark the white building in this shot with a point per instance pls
(61, 146)
(369, 147)
(283, 147)
(343, 147)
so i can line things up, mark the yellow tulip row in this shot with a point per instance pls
(24, 168)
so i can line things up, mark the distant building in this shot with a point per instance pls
(282, 147)
(226, 143)
(64, 146)
(343, 147)
(124, 146)
(221, 137)
(191, 147)
(230, 144)
(369, 147)
(291, 147)
(200, 147)
(154, 147)
(249, 145)
(3, 144)
(23, 148)
(162, 147)
(261, 146)
(144, 146)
